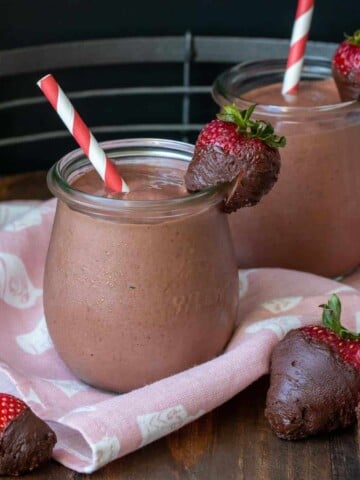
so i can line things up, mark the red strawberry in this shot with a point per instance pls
(314, 378)
(25, 440)
(346, 67)
(239, 152)
(10, 407)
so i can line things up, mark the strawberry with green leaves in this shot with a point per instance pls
(26, 441)
(342, 341)
(238, 152)
(314, 378)
(346, 67)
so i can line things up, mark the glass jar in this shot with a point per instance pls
(311, 219)
(135, 290)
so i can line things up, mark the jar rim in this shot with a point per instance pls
(222, 93)
(120, 149)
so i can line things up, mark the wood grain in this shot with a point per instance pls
(233, 442)
(25, 186)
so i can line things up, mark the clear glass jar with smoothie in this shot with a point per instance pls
(311, 219)
(139, 286)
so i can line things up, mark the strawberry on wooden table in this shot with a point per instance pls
(26, 441)
(314, 378)
(346, 67)
(240, 153)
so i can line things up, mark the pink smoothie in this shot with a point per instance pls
(138, 297)
(311, 219)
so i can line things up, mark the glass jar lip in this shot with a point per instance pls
(132, 147)
(222, 93)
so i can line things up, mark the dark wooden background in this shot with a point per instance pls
(233, 442)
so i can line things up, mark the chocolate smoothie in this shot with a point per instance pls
(310, 220)
(140, 286)
(310, 94)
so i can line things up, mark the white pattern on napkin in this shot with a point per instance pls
(105, 451)
(16, 288)
(278, 305)
(84, 409)
(29, 219)
(69, 387)
(32, 397)
(11, 211)
(155, 425)
(37, 341)
(279, 325)
(244, 282)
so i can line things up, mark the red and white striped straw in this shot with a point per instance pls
(76, 126)
(298, 41)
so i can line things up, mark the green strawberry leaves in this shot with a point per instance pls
(353, 39)
(251, 128)
(331, 319)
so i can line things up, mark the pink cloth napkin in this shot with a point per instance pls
(94, 427)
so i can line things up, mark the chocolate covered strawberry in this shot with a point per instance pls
(314, 378)
(26, 441)
(240, 153)
(346, 67)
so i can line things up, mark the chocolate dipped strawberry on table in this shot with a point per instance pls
(314, 378)
(238, 152)
(346, 67)
(26, 441)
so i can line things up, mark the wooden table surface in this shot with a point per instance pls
(232, 442)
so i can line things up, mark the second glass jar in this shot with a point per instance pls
(310, 220)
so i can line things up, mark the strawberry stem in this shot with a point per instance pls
(331, 319)
(251, 128)
(354, 39)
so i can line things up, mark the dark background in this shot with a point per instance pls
(25, 23)
(30, 22)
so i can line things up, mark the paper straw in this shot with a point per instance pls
(76, 126)
(298, 41)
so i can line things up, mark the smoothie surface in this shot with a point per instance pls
(310, 94)
(146, 183)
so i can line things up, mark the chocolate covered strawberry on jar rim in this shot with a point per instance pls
(238, 152)
(294, 226)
